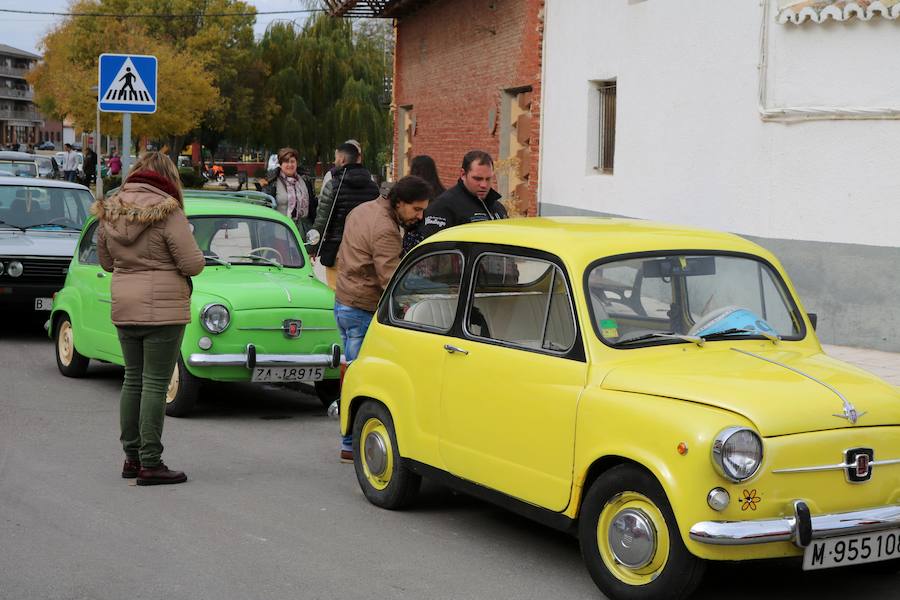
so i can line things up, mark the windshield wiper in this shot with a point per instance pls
(772, 337)
(13, 226)
(258, 257)
(668, 335)
(60, 225)
(218, 260)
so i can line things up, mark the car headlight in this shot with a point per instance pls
(1, 268)
(14, 269)
(737, 453)
(215, 318)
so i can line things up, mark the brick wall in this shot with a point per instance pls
(454, 59)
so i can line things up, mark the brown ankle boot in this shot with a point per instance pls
(160, 475)
(130, 468)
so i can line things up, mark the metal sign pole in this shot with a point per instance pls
(99, 193)
(126, 144)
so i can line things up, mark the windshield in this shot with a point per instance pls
(43, 207)
(18, 168)
(246, 241)
(635, 301)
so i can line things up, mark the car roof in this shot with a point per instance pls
(581, 240)
(36, 182)
(196, 206)
(12, 155)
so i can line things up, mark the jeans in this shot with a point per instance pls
(69, 175)
(150, 353)
(352, 324)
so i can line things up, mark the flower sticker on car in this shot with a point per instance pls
(750, 500)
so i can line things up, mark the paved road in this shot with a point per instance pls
(269, 512)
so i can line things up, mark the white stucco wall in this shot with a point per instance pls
(690, 144)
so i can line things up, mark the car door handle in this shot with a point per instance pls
(101, 274)
(454, 349)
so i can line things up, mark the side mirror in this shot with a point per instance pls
(814, 319)
(312, 237)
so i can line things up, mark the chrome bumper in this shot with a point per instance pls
(251, 359)
(800, 529)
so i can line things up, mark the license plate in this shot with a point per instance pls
(43, 303)
(288, 374)
(852, 550)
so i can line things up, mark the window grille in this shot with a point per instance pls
(607, 142)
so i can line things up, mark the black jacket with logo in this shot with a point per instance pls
(457, 206)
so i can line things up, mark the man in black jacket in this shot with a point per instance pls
(471, 199)
(352, 185)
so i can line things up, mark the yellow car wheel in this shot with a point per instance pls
(630, 541)
(384, 479)
(69, 361)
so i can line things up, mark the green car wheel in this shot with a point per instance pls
(181, 396)
(69, 361)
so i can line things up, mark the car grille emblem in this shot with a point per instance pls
(858, 462)
(291, 328)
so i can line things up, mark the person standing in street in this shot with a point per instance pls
(292, 191)
(115, 164)
(368, 256)
(350, 186)
(90, 166)
(70, 163)
(422, 166)
(472, 199)
(145, 240)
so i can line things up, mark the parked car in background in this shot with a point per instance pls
(46, 145)
(659, 390)
(18, 164)
(47, 167)
(40, 221)
(259, 313)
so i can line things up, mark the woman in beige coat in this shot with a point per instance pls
(145, 240)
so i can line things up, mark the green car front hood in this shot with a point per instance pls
(249, 287)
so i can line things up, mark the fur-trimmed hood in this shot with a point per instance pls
(134, 208)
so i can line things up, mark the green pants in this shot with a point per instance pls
(150, 353)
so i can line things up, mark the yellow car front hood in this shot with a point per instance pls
(780, 390)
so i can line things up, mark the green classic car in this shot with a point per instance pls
(259, 313)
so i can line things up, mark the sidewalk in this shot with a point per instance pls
(883, 364)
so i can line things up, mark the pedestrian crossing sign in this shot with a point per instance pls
(127, 83)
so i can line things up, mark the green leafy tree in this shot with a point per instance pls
(327, 78)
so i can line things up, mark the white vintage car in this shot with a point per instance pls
(40, 221)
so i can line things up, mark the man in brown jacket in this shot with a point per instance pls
(368, 256)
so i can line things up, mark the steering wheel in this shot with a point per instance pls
(268, 249)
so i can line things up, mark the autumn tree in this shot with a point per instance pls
(209, 72)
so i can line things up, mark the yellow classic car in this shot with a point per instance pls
(657, 390)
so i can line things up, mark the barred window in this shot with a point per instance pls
(606, 94)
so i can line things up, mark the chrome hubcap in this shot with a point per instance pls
(376, 454)
(632, 538)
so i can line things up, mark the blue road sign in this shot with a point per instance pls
(127, 83)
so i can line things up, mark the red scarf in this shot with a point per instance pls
(156, 180)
